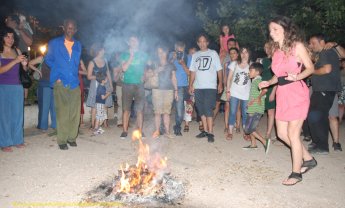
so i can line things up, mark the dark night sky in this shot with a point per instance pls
(157, 20)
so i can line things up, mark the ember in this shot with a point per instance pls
(146, 182)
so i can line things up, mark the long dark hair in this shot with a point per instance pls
(3, 33)
(239, 59)
(291, 34)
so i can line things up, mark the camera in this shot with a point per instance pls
(179, 55)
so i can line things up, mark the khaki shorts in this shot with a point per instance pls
(162, 101)
(132, 92)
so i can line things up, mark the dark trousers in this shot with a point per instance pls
(320, 103)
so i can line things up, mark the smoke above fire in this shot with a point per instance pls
(112, 21)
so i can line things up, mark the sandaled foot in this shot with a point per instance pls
(155, 135)
(201, 128)
(226, 130)
(237, 130)
(20, 145)
(308, 165)
(229, 136)
(6, 149)
(246, 137)
(186, 128)
(292, 179)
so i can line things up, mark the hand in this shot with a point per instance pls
(264, 84)
(191, 90)
(21, 58)
(258, 100)
(103, 97)
(251, 102)
(176, 95)
(330, 45)
(220, 88)
(291, 77)
(181, 61)
(228, 95)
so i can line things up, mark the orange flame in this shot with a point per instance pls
(140, 176)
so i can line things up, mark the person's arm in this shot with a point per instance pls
(32, 64)
(339, 48)
(83, 68)
(303, 55)
(125, 65)
(7, 67)
(109, 77)
(174, 82)
(220, 78)
(26, 37)
(228, 84)
(24, 62)
(191, 82)
(265, 84)
(184, 66)
(90, 70)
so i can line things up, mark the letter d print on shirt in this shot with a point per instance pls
(204, 63)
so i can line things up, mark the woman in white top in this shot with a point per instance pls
(238, 87)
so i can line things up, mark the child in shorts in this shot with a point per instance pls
(101, 96)
(256, 108)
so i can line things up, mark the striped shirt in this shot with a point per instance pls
(254, 93)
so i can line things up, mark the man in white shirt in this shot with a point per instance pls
(205, 69)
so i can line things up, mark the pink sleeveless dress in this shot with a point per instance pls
(293, 98)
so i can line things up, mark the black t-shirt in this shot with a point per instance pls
(164, 77)
(330, 81)
(101, 90)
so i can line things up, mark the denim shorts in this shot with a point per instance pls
(252, 122)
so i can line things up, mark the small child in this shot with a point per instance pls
(101, 96)
(256, 108)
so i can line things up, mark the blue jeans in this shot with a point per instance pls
(179, 104)
(45, 106)
(233, 109)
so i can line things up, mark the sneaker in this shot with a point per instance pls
(123, 135)
(202, 135)
(63, 146)
(267, 145)
(318, 151)
(101, 130)
(72, 144)
(210, 138)
(337, 147)
(250, 147)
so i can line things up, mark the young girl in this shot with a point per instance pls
(223, 41)
(238, 87)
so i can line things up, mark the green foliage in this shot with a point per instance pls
(248, 18)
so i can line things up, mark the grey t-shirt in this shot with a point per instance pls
(330, 81)
(164, 77)
(205, 64)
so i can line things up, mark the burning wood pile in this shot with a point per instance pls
(146, 182)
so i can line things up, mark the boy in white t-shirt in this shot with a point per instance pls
(205, 69)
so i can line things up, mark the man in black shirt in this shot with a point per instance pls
(326, 83)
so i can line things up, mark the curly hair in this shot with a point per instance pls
(3, 33)
(291, 34)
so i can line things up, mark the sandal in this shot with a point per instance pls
(229, 136)
(226, 130)
(186, 128)
(201, 128)
(246, 137)
(6, 149)
(308, 165)
(296, 176)
(237, 130)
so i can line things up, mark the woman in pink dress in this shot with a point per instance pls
(292, 95)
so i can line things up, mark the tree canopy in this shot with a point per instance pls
(248, 19)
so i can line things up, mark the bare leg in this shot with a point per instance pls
(334, 126)
(253, 140)
(204, 123)
(93, 117)
(258, 137)
(140, 120)
(216, 110)
(270, 122)
(341, 112)
(166, 120)
(125, 120)
(226, 114)
(209, 124)
(157, 121)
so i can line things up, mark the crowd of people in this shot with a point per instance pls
(299, 86)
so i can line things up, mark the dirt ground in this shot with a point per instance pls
(221, 174)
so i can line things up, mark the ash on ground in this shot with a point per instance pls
(169, 191)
